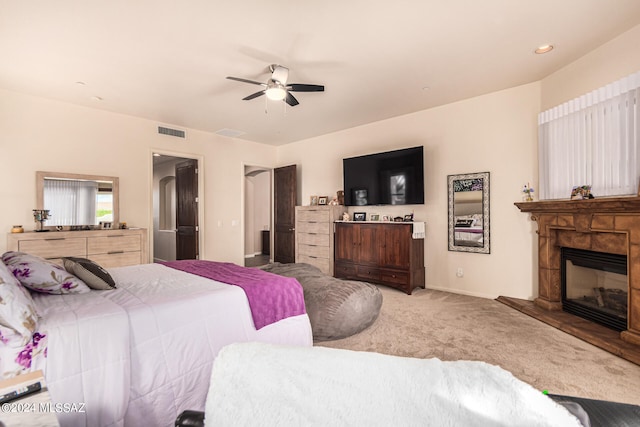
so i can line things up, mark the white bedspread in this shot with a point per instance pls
(141, 354)
(254, 384)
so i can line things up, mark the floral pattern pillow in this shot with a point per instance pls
(17, 310)
(17, 358)
(41, 275)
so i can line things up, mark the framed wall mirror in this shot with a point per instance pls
(76, 200)
(469, 212)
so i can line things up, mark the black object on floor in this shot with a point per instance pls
(603, 413)
(190, 419)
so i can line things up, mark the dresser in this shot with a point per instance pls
(109, 248)
(314, 235)
(379, 252)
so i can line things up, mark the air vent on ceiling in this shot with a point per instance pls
(171, 132)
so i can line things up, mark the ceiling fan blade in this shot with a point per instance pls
(297, 87)
(253, 95)
(291, 100)
(238, 79)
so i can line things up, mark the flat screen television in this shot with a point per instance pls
(389, 178)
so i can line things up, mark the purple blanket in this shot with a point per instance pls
(271, 297)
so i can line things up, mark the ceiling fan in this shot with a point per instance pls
(277, 89)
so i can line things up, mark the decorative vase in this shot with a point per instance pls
(17, 229)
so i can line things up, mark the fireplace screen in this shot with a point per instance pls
(594, 286)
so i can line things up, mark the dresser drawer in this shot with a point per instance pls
(310, 215)
(323, 264)
(114, 244)
(368, 273)
(117, 259)
(314, 251)
(313, 227)
(345, 271)
(397, 277)
(314, 239)
(54, 247)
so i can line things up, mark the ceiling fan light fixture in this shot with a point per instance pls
(276, 92)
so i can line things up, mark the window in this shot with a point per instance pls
(592, 140)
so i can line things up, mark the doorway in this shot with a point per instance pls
(257, 215)
(176, 208)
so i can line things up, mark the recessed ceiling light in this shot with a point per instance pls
(426, 88)
(544, 49)
(81, 83)
(96, 98)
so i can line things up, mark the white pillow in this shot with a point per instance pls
(41, 275)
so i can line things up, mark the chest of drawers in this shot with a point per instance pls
(109, 248)
(314, 235)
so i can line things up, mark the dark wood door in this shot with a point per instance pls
(369, 244)
(347, 238)
(187, 210)
(285, 194)
(395, 245)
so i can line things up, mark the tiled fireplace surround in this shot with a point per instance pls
(610, 225)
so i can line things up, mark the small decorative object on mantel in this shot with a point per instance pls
(340, 197)
(334, 202)
(41, 215)
(322, 200)
(581, 192)
(17, 229)
(408, 218)
(386, 218)
(528, 191)
(398, 219)
(313, 201)
(345, 216)
(374, 217)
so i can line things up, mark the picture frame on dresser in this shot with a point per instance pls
(374, 217)
(359, 216)
(322, 200)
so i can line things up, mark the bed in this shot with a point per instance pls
(141, 353)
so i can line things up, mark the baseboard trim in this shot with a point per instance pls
(462, 292)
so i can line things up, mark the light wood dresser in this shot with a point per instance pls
(109, 248)
(314, 235)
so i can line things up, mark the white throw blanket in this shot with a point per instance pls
(268, 385)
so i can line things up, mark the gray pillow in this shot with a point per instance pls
(90, 273)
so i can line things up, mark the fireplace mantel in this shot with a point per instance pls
(610, 225)
(605, 205)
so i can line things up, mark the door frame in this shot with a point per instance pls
(201, 181)
(243, 166)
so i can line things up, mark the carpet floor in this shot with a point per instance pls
(458, 327)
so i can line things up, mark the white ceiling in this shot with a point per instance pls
(167, 60)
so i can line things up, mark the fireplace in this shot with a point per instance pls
(605, 225)
(594, 286)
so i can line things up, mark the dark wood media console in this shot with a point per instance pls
(383, 253)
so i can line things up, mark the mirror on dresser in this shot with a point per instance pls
(469, 212)
(76, 200)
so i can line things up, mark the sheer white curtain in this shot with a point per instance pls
(70, 202)
(592, 140)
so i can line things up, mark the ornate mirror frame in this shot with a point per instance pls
(473, 209)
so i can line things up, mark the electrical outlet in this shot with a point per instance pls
(460, 272)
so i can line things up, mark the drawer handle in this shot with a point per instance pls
(114, 252)
(54, 238)
(117, 235)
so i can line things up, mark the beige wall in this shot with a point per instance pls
(42, 134)
(615, 59)
(495, 133)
